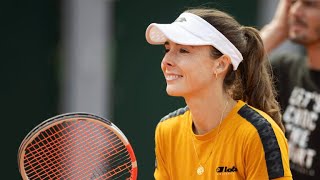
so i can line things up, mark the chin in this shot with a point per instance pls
(170, 93)
(173, 92)
(298, 38)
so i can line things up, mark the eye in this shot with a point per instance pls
(166, 50)
(293, 1)
(182, 50)
(306, 3)
(310, 3)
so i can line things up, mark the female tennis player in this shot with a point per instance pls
(231, 127)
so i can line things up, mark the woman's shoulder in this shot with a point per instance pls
(257, 122)
(173, 122)
(174, 118)
(174, 114)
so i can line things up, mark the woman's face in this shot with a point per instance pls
(187, 69)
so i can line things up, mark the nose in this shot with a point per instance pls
(296, 8)
(167, 60)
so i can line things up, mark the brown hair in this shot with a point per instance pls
(251, 82)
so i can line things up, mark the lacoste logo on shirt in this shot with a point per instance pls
(225, 169)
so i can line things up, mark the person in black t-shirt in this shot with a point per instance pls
(297, 79)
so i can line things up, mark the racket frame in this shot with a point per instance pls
(74, 116)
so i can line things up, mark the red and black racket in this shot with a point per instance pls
(76, 146)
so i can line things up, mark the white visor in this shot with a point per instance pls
(190, 29)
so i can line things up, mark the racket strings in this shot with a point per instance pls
(77, 151)
(52, 154)
(110, 154)
(48, 159)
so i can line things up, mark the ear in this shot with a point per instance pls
(222, 64)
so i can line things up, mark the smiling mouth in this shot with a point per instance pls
(172, 77)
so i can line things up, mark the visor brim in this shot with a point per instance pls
(160, 33)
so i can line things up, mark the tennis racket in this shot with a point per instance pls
(76, 146)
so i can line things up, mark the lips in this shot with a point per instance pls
(171, 76)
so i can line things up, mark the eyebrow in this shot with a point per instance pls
(312, 1)
(168, 43)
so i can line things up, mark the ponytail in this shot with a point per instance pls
(255, 72)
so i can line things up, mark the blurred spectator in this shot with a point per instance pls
(298, 81)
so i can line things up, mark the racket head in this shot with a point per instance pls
(76, 146)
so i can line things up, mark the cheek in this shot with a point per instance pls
(317, 26)
(313, 19)
(200, 76)
(318, 31)
(205, 69)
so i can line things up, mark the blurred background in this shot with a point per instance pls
(92, 56)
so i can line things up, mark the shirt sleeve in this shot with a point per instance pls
(268, 159)
(160, 172)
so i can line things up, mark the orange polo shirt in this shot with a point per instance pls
(250, 146)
